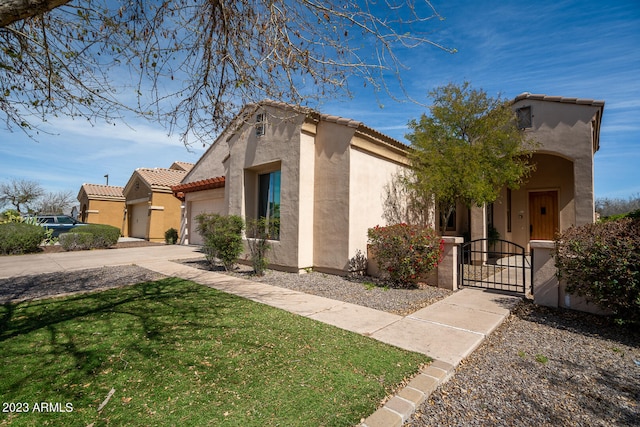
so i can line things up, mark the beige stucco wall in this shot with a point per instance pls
(110, 212)
(210, 163)
(566, 130)
(369, 174)
(331, 191)
(164, 214)
(251, 155)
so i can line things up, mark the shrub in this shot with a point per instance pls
(222, 238)
(20, 238)
(404, 252)
(171, 236)
(76, 241)
(104, 236)
(261, 231)
(601, 262)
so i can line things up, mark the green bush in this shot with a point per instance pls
(171, 236)
(222, 238)
(601, 262)
(20, 238)
(405, 253)
(104, 236)
(260, 232)
(76, 241)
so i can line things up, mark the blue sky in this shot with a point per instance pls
(573, 48)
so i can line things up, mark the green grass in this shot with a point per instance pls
(178, 353)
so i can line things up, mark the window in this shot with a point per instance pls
(269, 201)
(261, 124)
(524, 117)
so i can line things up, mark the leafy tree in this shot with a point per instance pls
(22, 194)
(467, 149)
(194, 63)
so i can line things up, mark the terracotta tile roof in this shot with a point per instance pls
(103, 191)
(204, 184)
(542, 97)
(185, 166)
(161, 178)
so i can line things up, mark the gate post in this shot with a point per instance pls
(448, 267)
(545, 282)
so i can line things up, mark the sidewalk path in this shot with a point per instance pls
(448, 330)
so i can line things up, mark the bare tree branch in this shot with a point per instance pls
(191, 64)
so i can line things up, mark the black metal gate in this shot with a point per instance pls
(495, 264)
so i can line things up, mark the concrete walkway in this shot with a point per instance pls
(448, 330)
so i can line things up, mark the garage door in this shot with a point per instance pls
(196, 208)
(139, 217)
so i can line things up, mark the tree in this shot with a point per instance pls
(22, 194)
(617, 206)
(467, 149)
(55, 203)
(192, 64)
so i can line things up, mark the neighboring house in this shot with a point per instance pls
(559, 194)
(321, 175)
(324, 177)
(151, 207)
(102, 204)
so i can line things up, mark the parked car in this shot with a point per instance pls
(58, 223)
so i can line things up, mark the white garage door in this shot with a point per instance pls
(139, 217)
(196, 208)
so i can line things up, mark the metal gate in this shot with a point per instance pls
(495, 264)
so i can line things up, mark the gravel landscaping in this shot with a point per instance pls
(542, 367)
(357, 290)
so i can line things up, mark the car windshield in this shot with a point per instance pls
(65, 220)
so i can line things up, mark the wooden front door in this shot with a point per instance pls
(543, 215)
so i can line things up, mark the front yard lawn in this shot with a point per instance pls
(178, 353)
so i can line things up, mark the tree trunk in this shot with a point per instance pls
(16, 10)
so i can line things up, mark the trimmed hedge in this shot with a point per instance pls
(20, 238)
(601, 262)
(76, 241)
(92, 236)
(104, 236)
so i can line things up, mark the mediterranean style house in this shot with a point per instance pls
(321, 175)
(151, 208)
(324, 178)
(102, 204)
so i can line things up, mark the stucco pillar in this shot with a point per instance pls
(448, 267)
(545, 281)
(479, 231)
(583, 194)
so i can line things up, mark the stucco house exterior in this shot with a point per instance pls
(560, 192)
(151, 208)
(102, 204)
(324, 177)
